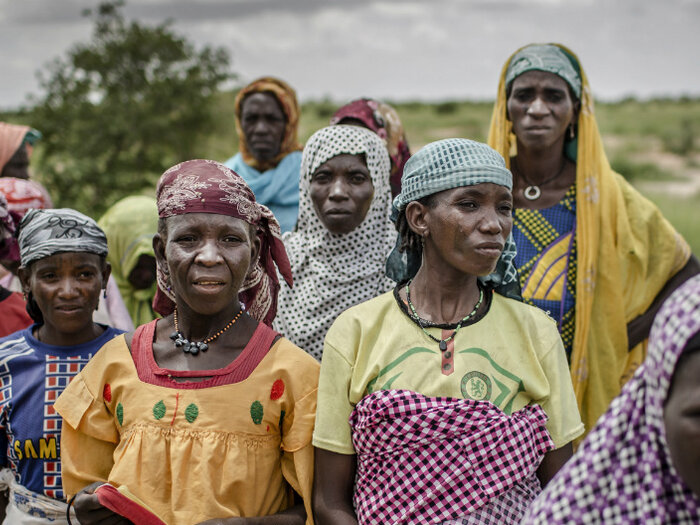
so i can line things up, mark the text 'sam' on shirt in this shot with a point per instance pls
(32, 376)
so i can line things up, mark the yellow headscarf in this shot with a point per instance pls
(626, 252)
(130, 225)
(287, 98)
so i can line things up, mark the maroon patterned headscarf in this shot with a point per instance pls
(205, 186)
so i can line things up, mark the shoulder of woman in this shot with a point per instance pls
(528, 316)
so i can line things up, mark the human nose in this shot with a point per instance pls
(261, 127)
(491, 222)
(338, 190)
(538, 108)
(208, 254)
(67, 287)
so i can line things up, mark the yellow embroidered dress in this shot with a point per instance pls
(626, 251)
(235, 444)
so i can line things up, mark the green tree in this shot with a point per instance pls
(123, 107)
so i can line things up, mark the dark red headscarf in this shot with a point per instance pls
(205, 186)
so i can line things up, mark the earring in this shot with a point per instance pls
(104, 293)
(572, 132)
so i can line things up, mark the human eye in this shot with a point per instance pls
(48, 276)
(506, 208)
(358, 177)
(468, 204)
(185, 238)
(86, 274)
(321, 177)
(555, 95)
(232, 239)
(523, 95)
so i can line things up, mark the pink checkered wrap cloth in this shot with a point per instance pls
(429, 459)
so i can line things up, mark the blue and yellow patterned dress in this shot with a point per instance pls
(546, 261)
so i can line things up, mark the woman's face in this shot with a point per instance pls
(341, 191)
(263, 123)
(143, 275)
(18, 165)
(66, 287)
(207, 257)
(465, 228)
(682, 417)
(541, 109)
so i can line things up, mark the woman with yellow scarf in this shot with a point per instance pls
(592, 251)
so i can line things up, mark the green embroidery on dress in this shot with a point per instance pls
(191, 412)
(159, 409)
(281, 421)
(256, 412)
(120, 414)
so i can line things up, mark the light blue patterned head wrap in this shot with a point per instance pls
(43, 233)
(451, 163)
(444, 165)
(548, 58)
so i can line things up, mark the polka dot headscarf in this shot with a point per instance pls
(333, 272)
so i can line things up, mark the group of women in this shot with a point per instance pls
(470, 330)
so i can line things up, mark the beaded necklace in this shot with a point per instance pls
(194, 347)
(442, 343)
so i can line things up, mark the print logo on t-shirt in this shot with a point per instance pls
(476, 386)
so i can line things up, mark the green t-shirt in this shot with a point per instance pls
(512, 356)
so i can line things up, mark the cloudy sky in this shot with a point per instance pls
(395, 49)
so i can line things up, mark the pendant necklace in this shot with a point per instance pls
(532, 191)
(194, 347)
(442, 343)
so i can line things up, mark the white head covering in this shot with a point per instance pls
(333, 272)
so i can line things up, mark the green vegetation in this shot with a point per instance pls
(120, 109)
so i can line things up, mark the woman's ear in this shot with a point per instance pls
(106, 272)
(24, 275)
(254, 248)
(159, 251)
(417, 218)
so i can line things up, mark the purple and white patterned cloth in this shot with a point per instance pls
(622, 472)
(433, 459)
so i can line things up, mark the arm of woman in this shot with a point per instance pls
(552, 462)
(334, 482)
(638, 329)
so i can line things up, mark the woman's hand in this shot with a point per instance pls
(89, 511)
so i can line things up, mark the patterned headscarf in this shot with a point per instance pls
(385, 122)
(548, 58)
(23, 195)
(623, 472)
(205, 186)
(8, 243)
(444, 165)
(333, 272)
(287, 99)
(43, 233)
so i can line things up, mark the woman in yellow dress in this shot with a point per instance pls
(207, 413)
(592, 251)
